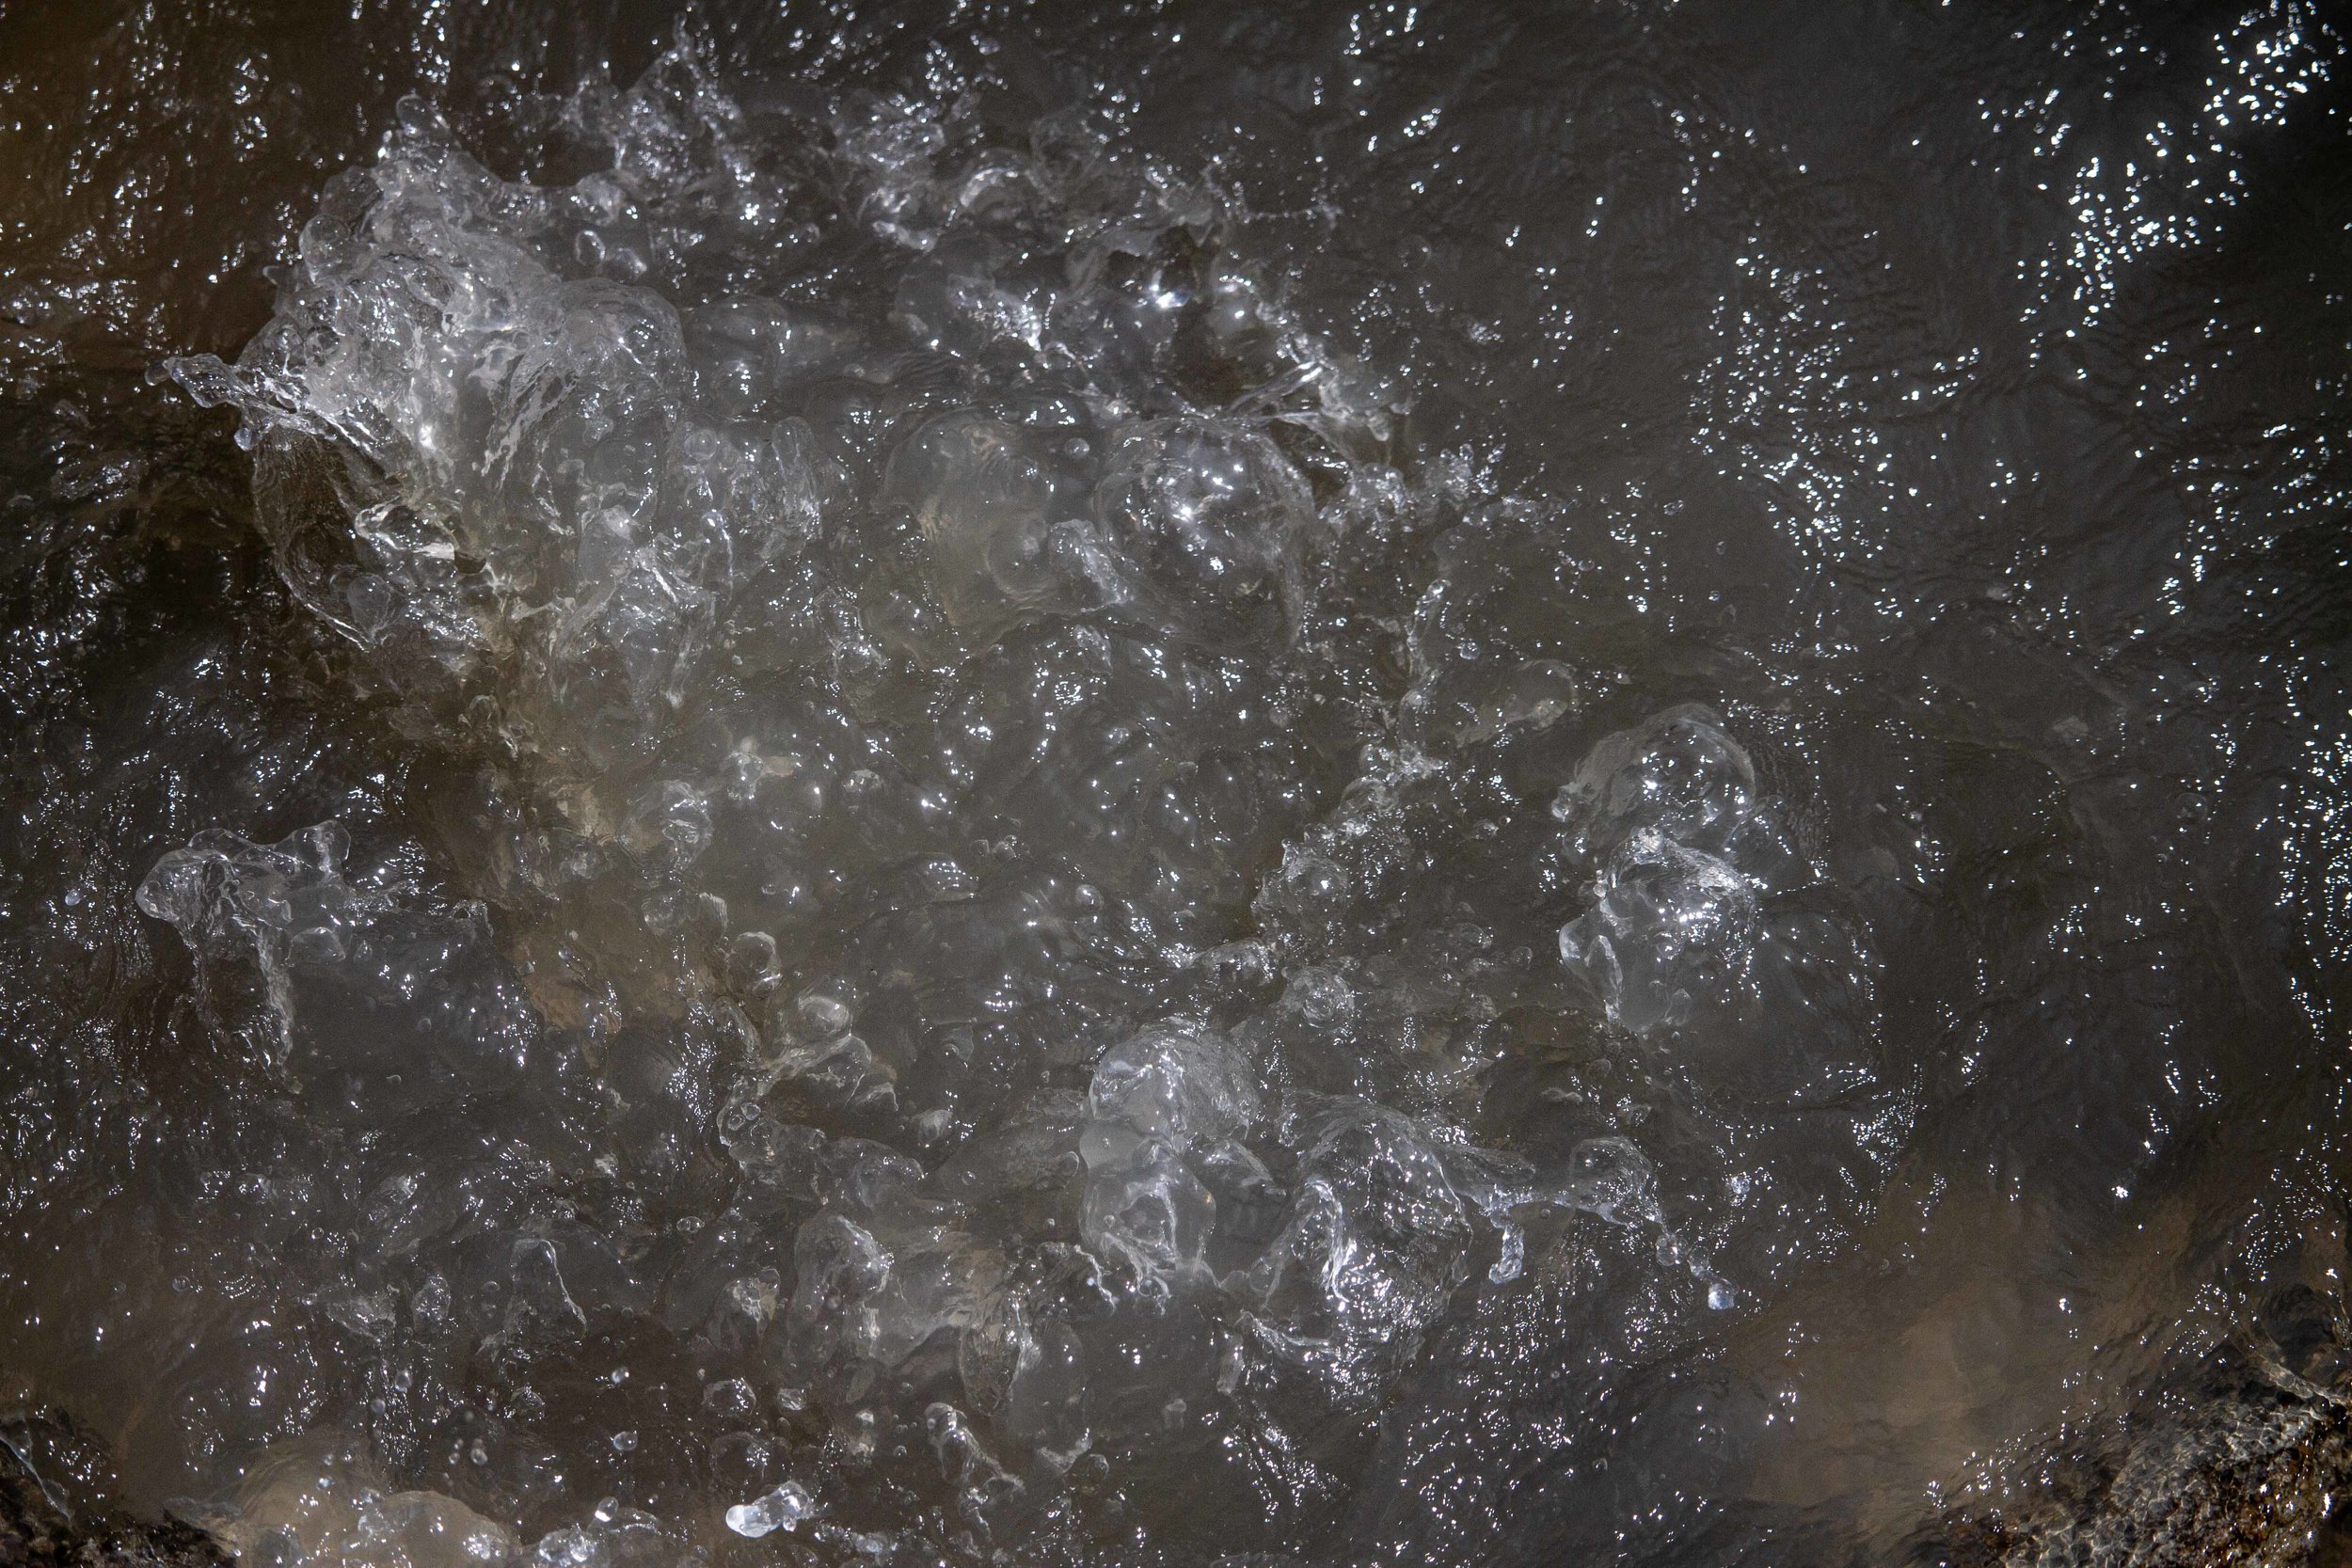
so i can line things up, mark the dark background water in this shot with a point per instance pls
(1956, 396)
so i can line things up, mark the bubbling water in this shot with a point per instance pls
(972, 959)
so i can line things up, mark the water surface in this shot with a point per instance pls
(1456, 784)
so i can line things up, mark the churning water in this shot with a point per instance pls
(1448, 784)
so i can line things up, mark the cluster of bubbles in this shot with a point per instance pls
(974, 928)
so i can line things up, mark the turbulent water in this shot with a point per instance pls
(1294, 785)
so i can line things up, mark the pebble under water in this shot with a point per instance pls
(1185, 783)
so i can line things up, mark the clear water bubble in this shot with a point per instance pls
(784, 1509)
(1212, 516)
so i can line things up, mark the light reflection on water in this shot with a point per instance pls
(1426, 786)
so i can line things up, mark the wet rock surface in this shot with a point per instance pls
(2250, 1466)
(56, 1508)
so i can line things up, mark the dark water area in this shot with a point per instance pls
(1188, 784)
